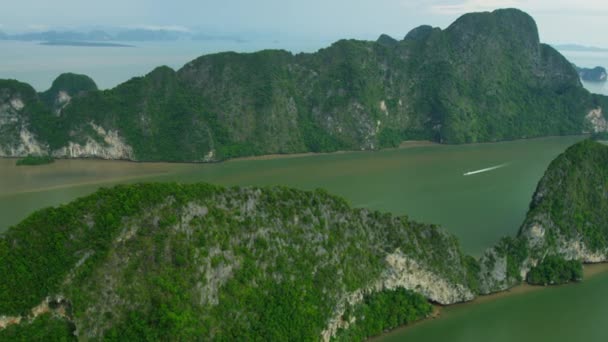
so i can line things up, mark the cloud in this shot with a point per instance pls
(548, 7)
(176, 28)
(38, 27)
(474, 6)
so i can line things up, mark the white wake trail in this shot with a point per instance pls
(491, 168)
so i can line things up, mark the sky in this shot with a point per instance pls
(560, 21)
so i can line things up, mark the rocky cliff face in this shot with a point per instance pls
(230, 259)
(568, 218)
(273, 262)
(568, 214)
(22, 112)
(485, 78)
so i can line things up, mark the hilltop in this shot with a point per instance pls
(186, 262)
(486, 77)
(567, 224)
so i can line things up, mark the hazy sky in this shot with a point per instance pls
(559, 21)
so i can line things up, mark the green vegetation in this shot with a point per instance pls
(568, 217)
(571, 198)
(45, 328)
(484, 78)
(200, 262)
(187, 262)
(383, 311)
(516, 251)
(555, 270)
(35, 160)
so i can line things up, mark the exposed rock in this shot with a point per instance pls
(57, 305)
(597, 120)
(111, 147)
(402, 272)
(567, 218)
(202, 247)
(63, 99)
(26, 145)
(17, 104)
(408, 273)
(493, 272)
(227, 105)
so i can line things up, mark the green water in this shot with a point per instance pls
(576, 312)
(427, 183)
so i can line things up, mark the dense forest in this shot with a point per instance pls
(484, 78)
(185, 262)
(567, 224)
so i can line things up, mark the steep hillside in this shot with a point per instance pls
(568, 220)
(484, 78)
(185, 262)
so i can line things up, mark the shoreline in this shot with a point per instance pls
(115, 180)
(406, 144)
(402, 146)
(589, 271)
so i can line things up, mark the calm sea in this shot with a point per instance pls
(39, 65)
(590, 60)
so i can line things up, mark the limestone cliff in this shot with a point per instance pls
(486, 77)
(274, 263)
(217, 263)
(22, 111)
(568, 218)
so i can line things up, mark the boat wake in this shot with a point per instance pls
(485, 170)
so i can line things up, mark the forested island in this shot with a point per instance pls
(155, 261)
(597, 74)
(484, 78)
(170, 261)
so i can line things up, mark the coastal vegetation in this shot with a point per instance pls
(383, 311)
(484, 78)
(554, 270)
(570, 201)
(44, 328)
(567, 224)
(171, 261)
(35, 160)
(189, 262)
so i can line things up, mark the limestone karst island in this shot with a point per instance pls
(245, 175)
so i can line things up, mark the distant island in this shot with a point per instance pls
(151, 34)
(78, 43)
(597, 74)
(576, 47)
(33, 160)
